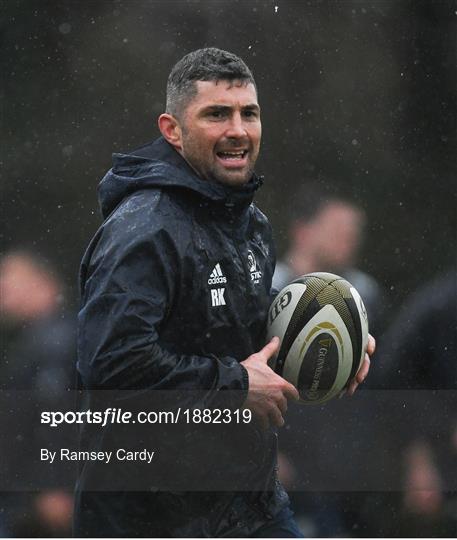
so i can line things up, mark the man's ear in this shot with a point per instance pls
(171, 130)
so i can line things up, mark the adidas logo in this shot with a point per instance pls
(216, 276)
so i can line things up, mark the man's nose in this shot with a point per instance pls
(236, 127)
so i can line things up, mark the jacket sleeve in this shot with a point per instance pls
(129, 286)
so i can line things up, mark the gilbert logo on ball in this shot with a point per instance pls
(323, 327)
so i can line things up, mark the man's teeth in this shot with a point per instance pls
(232, 155)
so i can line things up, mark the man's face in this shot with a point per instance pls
(221, 131)
(23, 288)
(337, 234)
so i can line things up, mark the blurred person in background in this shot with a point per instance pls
(418, 360)
(37, 362)
(325, 235)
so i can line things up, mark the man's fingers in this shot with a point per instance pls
(275, 416)
(371, 346)
(352, 387)
(290, 391)
(269, 350)
(364, 369)
(282, 404)
(360, 376)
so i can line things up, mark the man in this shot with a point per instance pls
(170, 301)
(39, 364)
(419, 362)
(325, 234)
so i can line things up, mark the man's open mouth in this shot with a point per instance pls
(232, 155)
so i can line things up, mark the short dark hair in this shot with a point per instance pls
(208, 64)
(313, 197)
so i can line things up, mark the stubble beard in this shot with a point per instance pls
(235, 178)
(212, 172)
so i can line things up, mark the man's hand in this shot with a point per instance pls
(364, 368)
(268, 392)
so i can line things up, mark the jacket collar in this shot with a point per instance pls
(159, 164)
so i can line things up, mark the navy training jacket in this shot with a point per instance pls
(175, 288)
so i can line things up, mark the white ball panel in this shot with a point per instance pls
(293, 362)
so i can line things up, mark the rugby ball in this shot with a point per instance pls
(322, 324)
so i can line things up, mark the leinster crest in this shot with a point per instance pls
(254, 270)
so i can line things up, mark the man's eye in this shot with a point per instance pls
(216, 114)
(250, 114)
